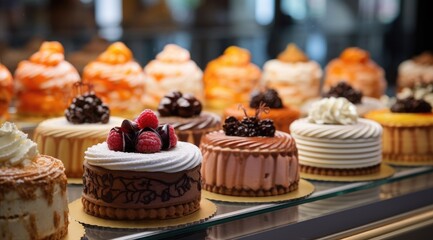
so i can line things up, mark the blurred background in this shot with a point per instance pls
(391, 30)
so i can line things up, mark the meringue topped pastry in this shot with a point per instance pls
(6, 92)
(334, 141)
(33, 196)
(172, 70)
(418, 70)
(249, 158)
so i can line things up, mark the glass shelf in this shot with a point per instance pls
(328, 197)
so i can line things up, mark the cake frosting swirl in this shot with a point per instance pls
(15, 147)
(333, 111)
(183, 157)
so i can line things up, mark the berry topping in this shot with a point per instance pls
(131, 136)
(147, 119)
(342, 89)
(115, 139)
(250, 126)
(411, 105)
(270, 97)
(178, 104)
(87, 107)
(148, 142)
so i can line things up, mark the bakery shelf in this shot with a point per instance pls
(237, 220)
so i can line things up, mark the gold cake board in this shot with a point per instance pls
(304, 190)
(409, 164)
(75, 181)
(384, 172)
(75, 230)
(206, 211)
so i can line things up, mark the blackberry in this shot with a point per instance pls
(269, 97)
(87, 108)
(231, 126)
(266, 128)
(411, 105)
(342, 89)
(178, 104)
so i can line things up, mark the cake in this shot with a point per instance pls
(230, 78)
(6, 92)
(184, 113)
(249, 158)
(355, 67)
(33, 197)
(117, 79)
(172, 70)
(418, 70)
(142, 172)
(43, 83)
(362, 103)
(407, 131)
(282, 115)
(333, 141)
(295, 76)
(86, 122)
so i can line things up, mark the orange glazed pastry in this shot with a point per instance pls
(44, 82)
(6, 92)
(407, 131)
(355, 66)
(230, 78)
(249, 158)
(117, 79)
(282, 116)
(295, 76)
(33, 196)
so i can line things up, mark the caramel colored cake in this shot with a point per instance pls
(407, 131)
(172, 70)
(230, 78)
(333, 141)
(184, 113)
(295, 76)
(249, 158)
(87, 122)
(355, 67)
(282, 115)
(117, 79)
(418, 70)
(142, 172)
(6, 92)
(33, 198)
(44, 82)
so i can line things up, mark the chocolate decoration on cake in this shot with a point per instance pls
(86, 108)
(342, 89)
(178, 104)
(250, 126)
(270, 97)
(411, 105)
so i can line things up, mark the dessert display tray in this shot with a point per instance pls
(240, 215)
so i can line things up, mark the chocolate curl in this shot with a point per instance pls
(240, 106)
(262, 109)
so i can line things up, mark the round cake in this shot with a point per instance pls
(142, 172)
(295, 76)
(184, 113)
(407, 131)
(249, 158)
(334, 141)
(282, 115)
(418, 70)
(33, 197)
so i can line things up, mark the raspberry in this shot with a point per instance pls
(148, 142)
(147, 119)
(115, 140)
(173, 137)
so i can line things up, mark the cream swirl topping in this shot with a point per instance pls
(183, 157)
(15, 147)
(333, 111)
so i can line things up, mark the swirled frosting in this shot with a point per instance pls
(333, 111)
(46, 69)
(183, 157)
(280, 142)
(203, 121)
(15, 147)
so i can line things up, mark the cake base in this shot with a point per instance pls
(340, 172)
(304, 189)
(278, 190)
(409, 163)
(206, 211)
(385, 171)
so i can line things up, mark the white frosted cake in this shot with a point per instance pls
(334, 141)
